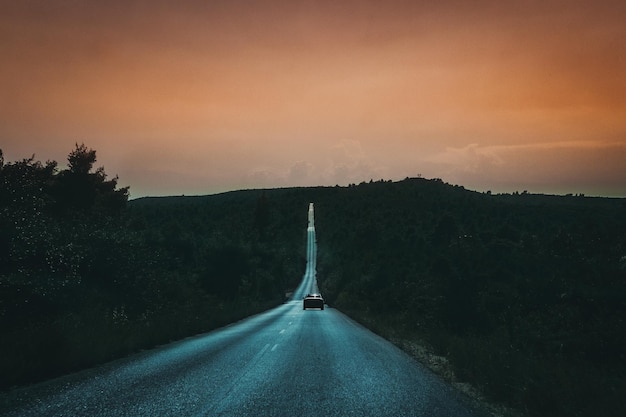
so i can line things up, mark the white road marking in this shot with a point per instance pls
(274, 348)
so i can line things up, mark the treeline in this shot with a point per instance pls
(87, 276)
(524, 294)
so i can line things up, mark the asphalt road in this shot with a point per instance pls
(284, 362)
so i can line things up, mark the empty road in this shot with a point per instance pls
(284, 362)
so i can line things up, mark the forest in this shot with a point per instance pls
(87, 276)
(523, 294)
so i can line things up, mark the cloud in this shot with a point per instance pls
(591, 167)
(348, 149)
(264, 178)
(340, 163)
(470, 158)
(299, 173)
(349, 162)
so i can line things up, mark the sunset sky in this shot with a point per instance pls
(199, 97)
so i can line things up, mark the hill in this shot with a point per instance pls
(523, 295)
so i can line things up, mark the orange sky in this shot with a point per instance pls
(197, 97)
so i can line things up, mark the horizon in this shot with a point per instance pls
(489, 192)
(549, 191)
(200, 98)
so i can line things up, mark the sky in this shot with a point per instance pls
(200, 97)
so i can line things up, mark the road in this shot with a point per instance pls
(284, 362)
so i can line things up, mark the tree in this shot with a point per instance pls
(80, 189)
(81, 160)
(262, 216)
(25, 181)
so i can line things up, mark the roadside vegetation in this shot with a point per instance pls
(86, 276)
(522, 296)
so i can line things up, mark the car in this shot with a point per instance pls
(313, 301)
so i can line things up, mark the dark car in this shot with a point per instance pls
(313, 301)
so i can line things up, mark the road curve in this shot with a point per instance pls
(284, 362)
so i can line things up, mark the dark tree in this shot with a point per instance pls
(81, 160)
(80, 189)
(25, 181)
(262, 216)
